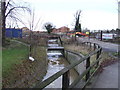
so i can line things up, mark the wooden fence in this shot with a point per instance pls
(65, 72)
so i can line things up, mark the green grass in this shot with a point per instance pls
(14, 54)
(116, 54)
(17, 69)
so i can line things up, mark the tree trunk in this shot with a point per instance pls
(3, 22)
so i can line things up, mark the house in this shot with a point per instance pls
(62, 30)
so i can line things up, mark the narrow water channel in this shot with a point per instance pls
(57, 62)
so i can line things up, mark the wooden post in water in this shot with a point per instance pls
(87, 66)
(65, 81)
(61, 41)
(66, 55)
(63, 53)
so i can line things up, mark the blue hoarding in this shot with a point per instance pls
(13, 33)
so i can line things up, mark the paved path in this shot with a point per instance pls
(105, 45)
(109, 77)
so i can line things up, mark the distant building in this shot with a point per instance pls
(61, 30)
(13, 33)
(25, 31)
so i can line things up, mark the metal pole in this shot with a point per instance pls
(101, 35)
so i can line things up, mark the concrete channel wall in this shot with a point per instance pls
(71, 58)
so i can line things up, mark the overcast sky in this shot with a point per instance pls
(95, 15)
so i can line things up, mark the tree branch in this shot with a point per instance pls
(15, 18)
(37, 23)
(16, 8)
(7, 5)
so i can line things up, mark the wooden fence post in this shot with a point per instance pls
(65, 80)
(94, 46)
(98, 54)
(63, 53)
(90, 45)
(66, 56)
(61, 41)
(30, 50)
(87, 66)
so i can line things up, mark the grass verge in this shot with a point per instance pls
(84, 50)
(12, 55)
(18, 71)
(106, 58)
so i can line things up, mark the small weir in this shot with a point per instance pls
(57, 62)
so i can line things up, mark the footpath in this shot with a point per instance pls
(110, 47)
(109, 76)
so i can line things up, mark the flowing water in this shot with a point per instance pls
(57, 62)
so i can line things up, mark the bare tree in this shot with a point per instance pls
(49, 27)
(11, 10)
(77, 27)
(33, 24)
(77, 18)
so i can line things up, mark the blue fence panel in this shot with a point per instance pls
(13, 33)
(8, 33)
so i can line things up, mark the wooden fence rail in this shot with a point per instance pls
(65, 71)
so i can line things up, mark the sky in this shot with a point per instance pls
(95, 15)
